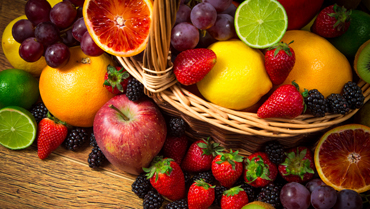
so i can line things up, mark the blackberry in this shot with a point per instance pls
(316, 103)
(353, 94)
(188, 179)
(275, 152)
(39, 111)
(219, 190)
(153, 200)
(96, 158)
(93, 140)
(271, 194)
(75, 139)
(178, 204)
(141, 186)
(207, 176)
(249, 190)
(135, 89)
(177, 126)
(337, 104)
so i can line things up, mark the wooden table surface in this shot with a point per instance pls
(64, 179)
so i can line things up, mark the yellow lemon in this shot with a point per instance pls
(238, 79)
(11, 48)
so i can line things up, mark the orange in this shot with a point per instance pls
(342, 157)
(319, 65)
(119, 27)
(75, 92)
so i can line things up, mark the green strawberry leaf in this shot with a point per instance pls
(233, 191)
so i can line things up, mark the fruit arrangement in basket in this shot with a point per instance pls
(237, 65)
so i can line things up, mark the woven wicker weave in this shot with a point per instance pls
(233, 129)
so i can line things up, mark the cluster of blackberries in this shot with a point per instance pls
(96, 156)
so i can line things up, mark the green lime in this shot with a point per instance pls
(357, 33)
(260, 23)
(18, 128)
(18, 88)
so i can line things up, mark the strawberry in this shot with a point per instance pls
(116, 79)
(201, 195)
(175, 148)
(191, 65)
(259, 170)
(227, 168)
(51, 133)
(298, 165)
(332, 21)
(167, 178)
(234, 198)
(279, 61)
(199, 156)
(284, 102)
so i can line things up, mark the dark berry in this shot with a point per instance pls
(76, 138)
(249, 190)
(135, 89)
(316, 103)
(39, 111)
(271, 194)
(353, 94)
(207, 176)
(152, 200)
(177, 126)
(93, 140)
(141, 186)
(178, 204)
(219, 190)
(188, 179)
(337, 104)
(275, 152)
(96, 158)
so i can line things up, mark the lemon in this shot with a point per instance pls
(238, 79)
(11, 48)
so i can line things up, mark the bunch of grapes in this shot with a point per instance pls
(204, 23)
(49, 32)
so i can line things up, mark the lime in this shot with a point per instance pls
(17, 128)
(260, 23)
(18, 88)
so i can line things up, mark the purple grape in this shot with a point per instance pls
(57, 55)
(79, 12)
(348, 199)
(323, 197)
(311, 185)
(79, 29)
(219, 5)
(224, 28)
(184, 36)
(203, 16)
(47, 33)
(77, 3)
(68, 39)
(230, 10)
(37, 11)
(22, 30)
(205, 39)
(183, 14)
(294, 195)
(89, 47)
(63, 14)
(31, 50)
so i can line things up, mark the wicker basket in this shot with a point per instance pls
(233, 129)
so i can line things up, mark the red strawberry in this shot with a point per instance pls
(279, 61)
(298, 165)
(167, 178)
(192, 65)
(199, 156)
(201, 195)
(284, 102)
(51, 133)
(259, 170)
(332, 21)
(234, 198)
(227, 168)
(116, 79)
(175, 148)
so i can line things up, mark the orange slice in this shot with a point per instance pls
(119, 27)
(342, 157)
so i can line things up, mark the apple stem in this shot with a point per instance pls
(120, 112)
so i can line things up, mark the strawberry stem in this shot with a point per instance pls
(120, 112)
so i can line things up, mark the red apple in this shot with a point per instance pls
(130, 134)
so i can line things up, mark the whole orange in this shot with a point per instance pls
(319, 65)
(75, 92)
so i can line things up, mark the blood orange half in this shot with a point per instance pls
(119, 27)
(342, 157)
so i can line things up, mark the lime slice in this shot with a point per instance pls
(18, 128)
(260, 23)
